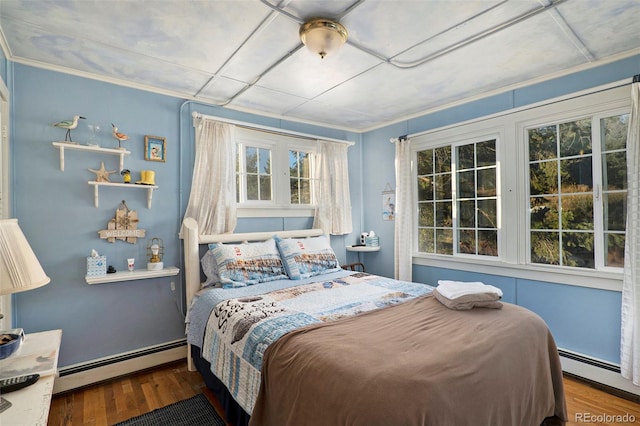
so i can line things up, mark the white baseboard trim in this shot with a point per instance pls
(90, 372)
(598, 374)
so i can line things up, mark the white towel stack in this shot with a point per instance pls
(455, 289)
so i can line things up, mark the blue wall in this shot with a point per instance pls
(581, 319)
(56, 212)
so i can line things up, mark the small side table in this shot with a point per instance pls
(362, 249)
(37, 354)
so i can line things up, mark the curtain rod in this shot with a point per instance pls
(269, 129)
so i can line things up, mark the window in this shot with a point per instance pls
(577, 192)
(457, 199)
(273, 170)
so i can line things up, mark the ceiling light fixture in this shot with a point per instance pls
(323, 36)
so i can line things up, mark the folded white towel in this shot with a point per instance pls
(455, 289)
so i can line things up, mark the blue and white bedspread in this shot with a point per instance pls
(245, 321)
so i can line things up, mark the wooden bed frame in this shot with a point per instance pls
(192, 239)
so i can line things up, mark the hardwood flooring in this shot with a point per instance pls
(120, 399)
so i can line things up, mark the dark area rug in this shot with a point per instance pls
(195, 411)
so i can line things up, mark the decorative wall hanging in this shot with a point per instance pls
(155, 148)
(388, 203)
(123, 226)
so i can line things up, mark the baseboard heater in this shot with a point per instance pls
(88, 373)
(599, 374)
(593, 362)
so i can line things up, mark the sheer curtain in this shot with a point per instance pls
(404, 207)
(331, 189)
(630, 341)
(212, 202)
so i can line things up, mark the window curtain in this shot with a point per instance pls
(212, 202)
(404, 207)
(331, 189)
(630, 341)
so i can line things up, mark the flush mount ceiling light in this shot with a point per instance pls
(323, 36)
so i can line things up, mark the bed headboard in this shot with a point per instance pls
(192, 241)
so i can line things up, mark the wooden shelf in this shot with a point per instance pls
(96, 185)
(113, 151)
(139, 274)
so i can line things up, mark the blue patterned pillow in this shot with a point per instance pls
(246, 264)
(306, 257)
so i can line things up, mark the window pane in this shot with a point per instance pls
(251, 159)
(615, 170)
(615, 250)
(614, 132)
(486, 153)
(444, 241)
(615, 211)
(488, 243)
(264, 156)
(425, 214)
(294, 169)
(265, 187)
(545, 247)
(467, 214)
(426, 240)
(443, 187)
(577, 249)
(544, 213)
(443, 159)
(467, 242)
(252, 187)
(305, 192)
(576, 175)
(575, 138)
(542, 143)
(443, 214)
(425, 188)
(488, 214)
(425, 162)
(295, 190)
(577, 212)
(466, 157)
(543, 178)
(487, 182)
(305, 167)
(466, 184)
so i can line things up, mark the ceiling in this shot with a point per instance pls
(402, 58)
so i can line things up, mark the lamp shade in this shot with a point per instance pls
(19, 267)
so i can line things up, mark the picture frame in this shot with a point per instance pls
(155, 148)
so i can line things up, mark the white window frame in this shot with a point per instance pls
(280, 204)
(511, 130)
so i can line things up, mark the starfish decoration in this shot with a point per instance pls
(102, 175)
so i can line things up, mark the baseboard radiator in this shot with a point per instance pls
(600, 374)
(95, 371)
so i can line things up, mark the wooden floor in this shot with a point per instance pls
(120, 399)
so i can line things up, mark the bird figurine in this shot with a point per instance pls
(120, 136)
(69, 125)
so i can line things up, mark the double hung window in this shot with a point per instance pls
(273, 170)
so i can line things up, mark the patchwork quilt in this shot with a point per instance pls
(239, 329)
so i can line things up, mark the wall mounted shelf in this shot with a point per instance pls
(141, 274)
(363, 249)
(96, 185)
(113, 151)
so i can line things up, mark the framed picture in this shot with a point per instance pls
(155, 148)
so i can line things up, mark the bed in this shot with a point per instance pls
(329, 346)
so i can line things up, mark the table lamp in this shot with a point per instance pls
(19, 268)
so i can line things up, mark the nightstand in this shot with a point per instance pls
(362, 249)
(37, 354)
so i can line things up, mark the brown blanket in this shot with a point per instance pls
(417, 363)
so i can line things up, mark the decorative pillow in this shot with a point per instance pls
(245, 264)
(210, 269)
(306, 257)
